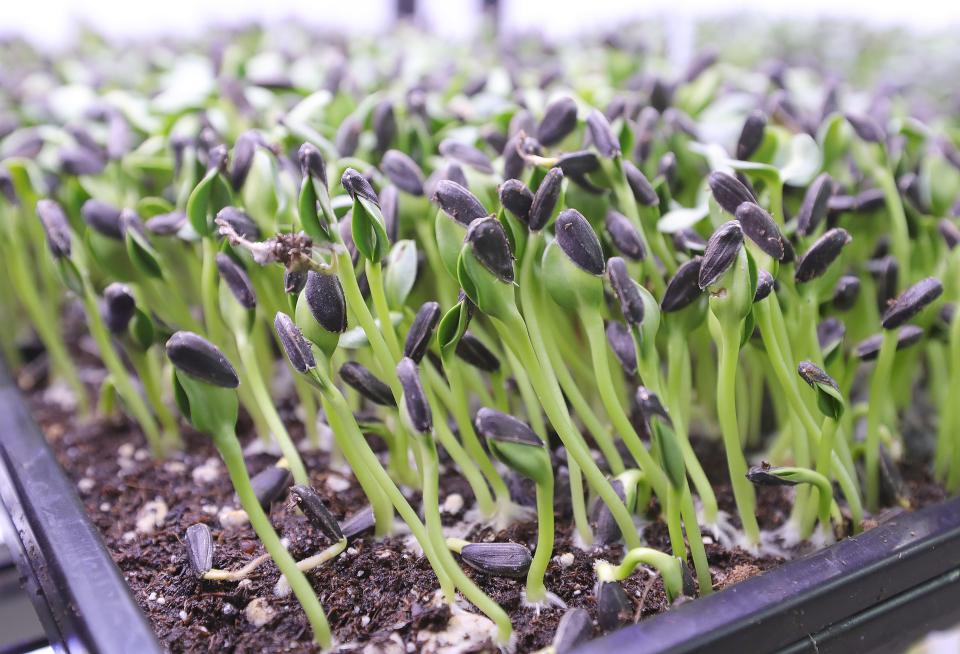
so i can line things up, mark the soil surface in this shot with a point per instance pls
(379, 595)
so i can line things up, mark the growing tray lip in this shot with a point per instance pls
(80, 595)
(816, 594)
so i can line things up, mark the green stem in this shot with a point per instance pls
(674, 526)
(347, 434)
(628, 205)
(498, 381)
(351, 289)
(456, 451)
(743, 491)
(578, 501)
(827, 437)
(536, 591)
(426, 237)
(697, 550)
(217, 332)
(230, 451)
(458, 404)
(169, 305)
(788, 384)
(678, 398)
(593, 325)
(431, 510)
(261, 395)
(386, 362)
(146, 367)
(528, 395)
(899, 233)
(668, 567)
(948, 438)
(513, 331)
(878, 398)
(121, 379)
(581, 407)
(375, 279)
(46, 326)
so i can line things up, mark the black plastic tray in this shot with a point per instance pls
(79, 593)
(877, 592)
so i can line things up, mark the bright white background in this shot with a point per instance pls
(52, 22)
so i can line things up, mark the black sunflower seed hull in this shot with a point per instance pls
(545, 199)
(360, 379)
(424, 324)
(825, 250)
(325, 298)
(643, 192)
(559, 120)
(472, 350)
(491, 247)
(517, 199)
(199, 544)
(759, 227)
(270, 485)
(751, 136)
(241, 222)
(729, 192)
(631, 302)
(816, 204)
(312, 505)
(497, 559)
(684, 287)
(196, 356)
(722, 250)
(294, 344)
(102, 218)
(403, 172)
(499, 426)
(579, 241)
(414, 397)
(358, 186)
(56, 227)
(457, 202)
(624, 236)
(237, 281)
(622, 345)
(119, 307)
(911, 302)
(312, 163)
(604, 140)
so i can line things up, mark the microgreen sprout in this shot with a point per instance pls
(676, 578)
(205, 383)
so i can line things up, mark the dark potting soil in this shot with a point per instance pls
(380, 595)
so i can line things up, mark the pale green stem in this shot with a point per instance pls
(668, 566)
(146, 367)
(878, 398)
(593, 325)
(121, 379)
(230, 451)
(678, 399)
(743, 492)
(536, 591)
(514, 332)
(375, 279)
(248, 360)
(578, 501)
(431, 510)
(788, 384)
